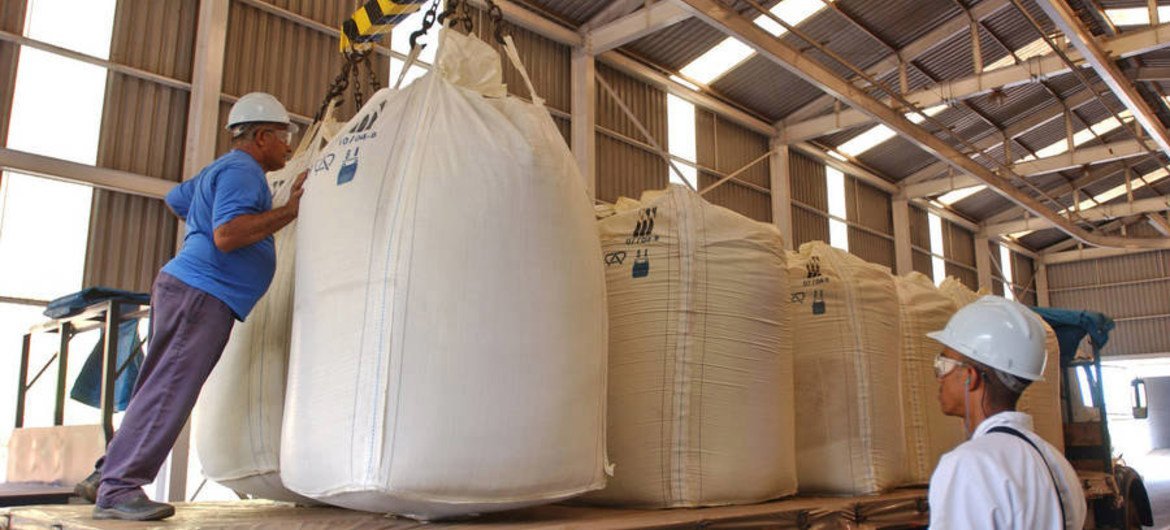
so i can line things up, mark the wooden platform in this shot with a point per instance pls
(897, 510)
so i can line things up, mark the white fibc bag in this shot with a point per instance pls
(929, 433)
(449, 327)
(1041, 399)
(848, 413)
(700, 378)
(237, 420)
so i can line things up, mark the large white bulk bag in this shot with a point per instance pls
(1042, 398)
(449, 327)
(700, 378)
(929, 432)
(848, 409)
(237, 420)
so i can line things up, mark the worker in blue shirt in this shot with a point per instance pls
(225, 265)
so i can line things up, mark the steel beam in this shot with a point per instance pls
(584, 117)
(867, 176)
(729, 21)
(1096, 213)
(634, 26)
(206, 85)
(1100, 154)
(1096, 55)
(983, 262)
(903, 250)
(100, 177)
(1033, 120)
(1159, 222)
(1063, 189)
(1030, 71)
(940, 34)
(1070, 256)
(1041, 276)
(779, 166)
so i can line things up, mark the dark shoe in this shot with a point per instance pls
(87, 489)
(137, 508)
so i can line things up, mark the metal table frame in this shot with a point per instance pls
(107, 314)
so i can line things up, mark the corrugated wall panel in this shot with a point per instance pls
(1023, 269)
(868, 206)
(808, 182)
(623, 169)
(969, 277)
(959, 244)
(923, 264)
(727, 148)
(808, 226)
(919, 228)
(871, 248)
(12, 21)
(143, 128)
(1133, 289)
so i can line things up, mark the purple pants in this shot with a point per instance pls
(189, 329)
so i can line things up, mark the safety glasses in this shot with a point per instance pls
(945, 365)
(284, 135)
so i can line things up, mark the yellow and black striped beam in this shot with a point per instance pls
(373, 19)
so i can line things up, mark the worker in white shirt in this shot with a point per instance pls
(1005, 476)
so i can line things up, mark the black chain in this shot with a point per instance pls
(428, 21)
(497, 16)
(336, 89)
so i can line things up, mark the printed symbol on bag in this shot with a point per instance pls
(642, 264)
(797, 298)
(348, 167)
(813, 267)
(368, 120)
(645, 224)
(818, 305)
(324, 164)
(615, 258)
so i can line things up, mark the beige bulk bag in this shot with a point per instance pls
(237, 420)
(700, 378)
(929, 432)
(849, 436)
(1042, 398)
(449, 328)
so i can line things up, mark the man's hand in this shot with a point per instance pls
(294, 197)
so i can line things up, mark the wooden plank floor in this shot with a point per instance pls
(899, 509)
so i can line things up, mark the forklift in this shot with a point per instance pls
(1115, 493)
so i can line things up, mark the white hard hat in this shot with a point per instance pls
(999, 333)
(258, 107)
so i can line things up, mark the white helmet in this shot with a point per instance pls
(258, 107)
(999, 333)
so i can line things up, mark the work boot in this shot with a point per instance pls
(87, 489)
(137, 508)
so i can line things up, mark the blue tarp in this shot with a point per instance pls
(71, 304)
(1071, 326)
(88, 386)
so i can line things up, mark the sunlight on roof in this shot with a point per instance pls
(954, 196)
(1081, 136)
(1119, 190)
(1018, 235)
(684, 82)
(880, 133)
(1136, 16)
(730, 52)
(837, 155)
(1032, 49)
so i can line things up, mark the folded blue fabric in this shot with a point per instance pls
(74, 303)
(87, 388)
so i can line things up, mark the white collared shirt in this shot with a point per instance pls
(995, 481)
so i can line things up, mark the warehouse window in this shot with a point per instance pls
(1084, 135)
(1005, 268)
(680, 139)
(730, 52)
(879, 134)
(56, 111)
(838, 225)
(953, 196)
(938, 263)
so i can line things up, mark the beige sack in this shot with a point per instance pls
(700, 367)
(929, 432)
(848, 411)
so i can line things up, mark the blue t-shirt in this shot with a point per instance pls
(231, 186)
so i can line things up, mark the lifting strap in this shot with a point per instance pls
(1003, 429)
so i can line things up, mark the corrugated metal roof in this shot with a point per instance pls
(896, 158)
(900, 22)
(575, 11)
(754, 84)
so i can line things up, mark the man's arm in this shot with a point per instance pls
(246, 229)
(179, 198)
